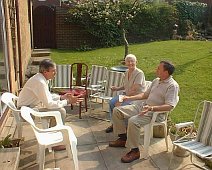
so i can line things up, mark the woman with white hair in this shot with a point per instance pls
(134, 83)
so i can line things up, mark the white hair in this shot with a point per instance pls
(130, 56)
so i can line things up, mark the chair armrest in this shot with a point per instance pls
(55, 114)
(63, 129)
(96, 86)
(155, 114)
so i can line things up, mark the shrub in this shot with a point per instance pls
(190, 15)
(154, 22)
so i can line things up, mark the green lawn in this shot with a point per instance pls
(193, 61)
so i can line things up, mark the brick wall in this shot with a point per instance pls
(70, 35)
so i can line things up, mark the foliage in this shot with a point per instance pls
(7, 142)
(182, 131)
(154, 22)
(105, 20)
(190, 14)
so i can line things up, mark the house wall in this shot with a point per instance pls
(20, 39)
(11, 58)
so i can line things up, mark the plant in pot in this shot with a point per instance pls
(9, 152)
(176, 134)
(7, 142)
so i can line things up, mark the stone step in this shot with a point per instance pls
(37, 60)
(40, 52)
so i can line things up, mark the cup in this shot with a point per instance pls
(121, 98)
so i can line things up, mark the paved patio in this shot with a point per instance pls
(93, 150)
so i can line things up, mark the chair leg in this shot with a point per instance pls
(19, 128)
(86, 103)
(80, 110)
(196, 164)
(74, 153)
(166, 138)
(41, 157)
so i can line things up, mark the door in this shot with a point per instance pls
(44, 27)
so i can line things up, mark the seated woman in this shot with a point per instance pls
(134, 83)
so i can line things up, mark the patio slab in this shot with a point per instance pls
(93, 150)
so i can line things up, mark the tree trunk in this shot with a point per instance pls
(126, 44)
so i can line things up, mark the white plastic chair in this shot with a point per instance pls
(148, 130)
(54, 136)
(9, 99)
(201, 145)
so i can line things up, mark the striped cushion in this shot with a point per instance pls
(62, 78)
(204, 134)
(195, 147)
(113, 79)
(98, 73)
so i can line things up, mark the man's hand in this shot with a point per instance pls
(145, 109)
(113, 88)
(74, 99)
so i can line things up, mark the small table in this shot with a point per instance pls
(119, 68)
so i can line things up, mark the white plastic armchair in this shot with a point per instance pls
(148, 131)
(201, 145)
(9, 99)
(54, 136)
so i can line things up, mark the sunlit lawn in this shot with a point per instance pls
(193, 61)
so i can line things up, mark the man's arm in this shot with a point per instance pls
(164, 107)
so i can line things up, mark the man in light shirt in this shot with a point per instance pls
(162, 95)
(36, 94)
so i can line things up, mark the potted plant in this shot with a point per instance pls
(7, 142)
(9, 152)
(175, 135)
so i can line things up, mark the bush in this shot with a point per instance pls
(154, 22)
(190, 15)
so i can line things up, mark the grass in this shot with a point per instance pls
(193, 61)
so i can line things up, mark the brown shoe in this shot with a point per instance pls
(117, 143)
(109, 129)
(130, 156)
(59, 148)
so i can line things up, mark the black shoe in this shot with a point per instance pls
(109, 129)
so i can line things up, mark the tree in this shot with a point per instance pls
(108, 20)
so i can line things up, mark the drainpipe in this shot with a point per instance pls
(19, 44)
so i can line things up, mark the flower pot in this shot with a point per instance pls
(158, 131)
(178, 151)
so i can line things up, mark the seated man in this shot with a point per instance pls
(36, 94)
(162, 95)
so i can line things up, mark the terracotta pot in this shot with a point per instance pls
(178, 151)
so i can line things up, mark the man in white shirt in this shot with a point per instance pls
(36, 94)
